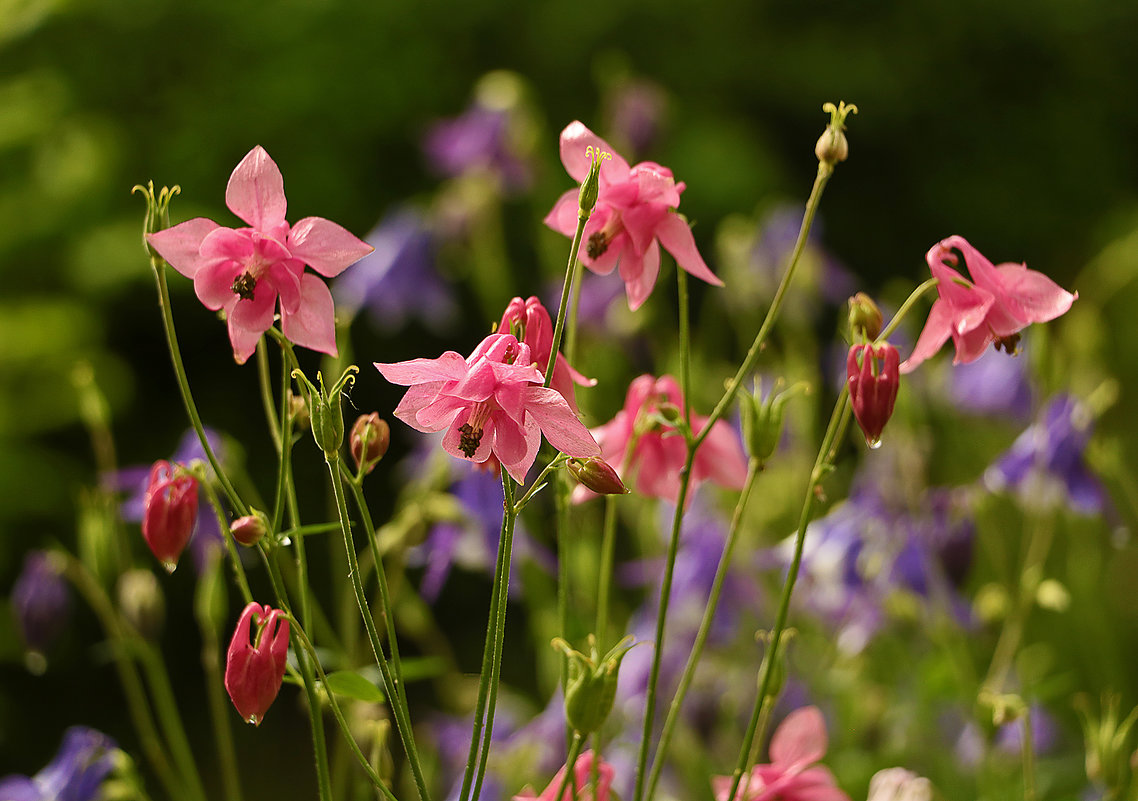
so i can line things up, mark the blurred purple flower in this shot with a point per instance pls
(778, 233)
(206, 537)
(634, 114)
(83, 761)
(398, 281)
(1046, 465)
(1044, 733)
(996, 384)
(41, 601)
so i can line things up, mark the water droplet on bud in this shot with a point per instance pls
(170, 566)
(874, 445)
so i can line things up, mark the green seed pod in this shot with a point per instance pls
(327, 414)
(592, 683)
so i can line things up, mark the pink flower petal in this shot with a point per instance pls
(936, 332)
(325, 246)
(552, 415)
(563, 216)
(721, 458)
(448, 367)
(438, 413)
(641, 220)
(676, 237)
(454, 435)
(655, 184)
(604, 264)
(287, 282)
(180, 245)
(639, 274)
(248, 319)
(313, 324)
(509, 442)
(415, 399)
(255, 192)
(800, 739)
(213, 284)
(575, 139)
(1031, 295)
(226, 243)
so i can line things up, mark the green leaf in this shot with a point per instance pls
(352, 685)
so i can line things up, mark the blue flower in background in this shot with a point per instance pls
(41, 601)
(1046, 465)
(83, 761)
(207, 537)
(398, 281)
(996, 384)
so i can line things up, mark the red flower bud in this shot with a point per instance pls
(873, 387)
(598, 475)
(249, 529)
(170, 510)
(254, 672)
(376, 432)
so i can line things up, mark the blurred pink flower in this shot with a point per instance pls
(530, 322)
(649, 453)
(1004, 300)
(244, 270)
(490, 404)
(798, 743)
(633, 216)
(582, 772)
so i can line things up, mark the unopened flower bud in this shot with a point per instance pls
(873, 372)
(369, 441)
(898, 784)
(141, 601)
(865, 317)
(254, 670)
(170, 511)
(778, 668)
(41, 602)
(591, 687)
(597, 475)
(832, 146)
(298, 410)
(249, 529)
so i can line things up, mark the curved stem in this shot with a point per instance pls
(753, 469)
(821, 467)
(231, 548)
(604, 573)
(570, 277)
(905, 307)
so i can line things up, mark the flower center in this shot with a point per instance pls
(1008, 344)
(600, 240)
(471, 430)
(244, 285)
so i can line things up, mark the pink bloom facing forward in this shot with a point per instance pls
(649, 454)
(582, 772)
(999, 302)
(490, 404)
(529, 321)
(634, 215)
(244, 270)
(254, 670)
(791, 775)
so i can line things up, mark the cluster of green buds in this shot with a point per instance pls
(1110, 757)
(763, 419)
(326, 413)
(591, 688)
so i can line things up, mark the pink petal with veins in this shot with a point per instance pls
(326, 247)
(313, 324)
(255, 192)
(180, 245)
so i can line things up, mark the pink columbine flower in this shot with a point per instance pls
(254, 670)
(244, 270)
(634, 215)
(791, 775)
(530, 322)
(490, 404)
(170, 509)
(995, 306)
(649, 453)
(582, 771)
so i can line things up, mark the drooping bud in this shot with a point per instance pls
(369, 441)
(597, 475)
(591, 688)
(249, 529)
(326, 412)
(41, 602)
(141, 601)
(254, 670)
(170, 511)
(832, 146)
(865, 317)
(763, 419)
(873, 372)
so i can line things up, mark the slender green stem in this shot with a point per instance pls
(685, 345)
(231, 548)
(905, 307)
(263, 381)
(570, 766)
(169, 718)
(563, 544)
(1028, 747)
(338, 713)
(570, 277)
(402, 719)
(384, 590)
(538, 483)
(604, 573)
(495, 631)
(136, 701)
(218, 709)
(821, 468)
(753, 469)
(824, 173)
(753, 756)
(184, 386)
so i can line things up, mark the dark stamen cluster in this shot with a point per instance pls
(244, 285)
(597, 245)
(469, 441)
